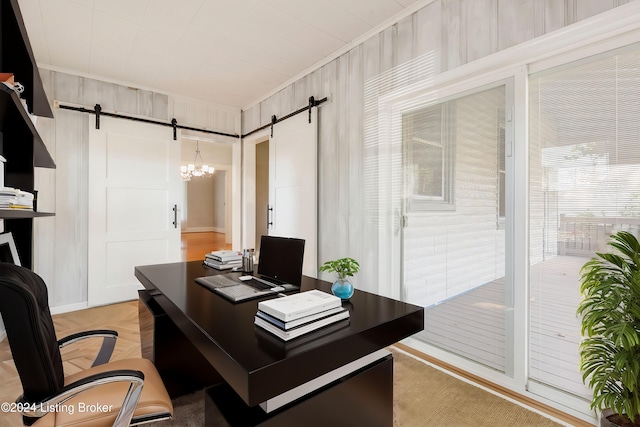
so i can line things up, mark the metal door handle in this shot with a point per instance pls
(175, 216)
(269, 212)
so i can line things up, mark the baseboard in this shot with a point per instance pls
(67, 308)
(203, 230)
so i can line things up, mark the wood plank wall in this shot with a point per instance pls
(451, 33)
(64, 190)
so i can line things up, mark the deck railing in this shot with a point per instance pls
(584, 236)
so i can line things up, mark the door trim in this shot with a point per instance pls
(248, 201)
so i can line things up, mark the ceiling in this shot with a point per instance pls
(231, 52)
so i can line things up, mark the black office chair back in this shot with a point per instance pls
(25, 312)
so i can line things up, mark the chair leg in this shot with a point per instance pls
(129, 405)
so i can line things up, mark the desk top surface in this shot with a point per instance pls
(244, 353)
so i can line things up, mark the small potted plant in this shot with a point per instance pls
(610, 351)
(344, 268)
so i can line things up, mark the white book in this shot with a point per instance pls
(219, 266)
(225, 255)
(209, 258)
(299, 305)
(300, 330)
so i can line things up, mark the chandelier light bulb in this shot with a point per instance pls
(195, 169)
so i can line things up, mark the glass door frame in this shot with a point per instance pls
(390, 128)
(510, 335)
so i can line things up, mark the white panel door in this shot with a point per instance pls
(134, 187)
(293, 183)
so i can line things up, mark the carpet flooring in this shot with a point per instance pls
(426, 396)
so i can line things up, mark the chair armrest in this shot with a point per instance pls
(135, 378)
(108, 343)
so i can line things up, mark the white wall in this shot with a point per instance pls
(206, 200)
(201, 202)
(214, 154)
(60, 242)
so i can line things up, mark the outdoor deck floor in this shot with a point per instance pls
(475, 324)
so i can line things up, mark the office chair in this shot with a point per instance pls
(121, 393)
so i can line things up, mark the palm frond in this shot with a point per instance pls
(610, 311)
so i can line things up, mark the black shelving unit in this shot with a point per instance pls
(20, 143)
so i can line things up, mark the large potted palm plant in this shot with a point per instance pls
(610, 350)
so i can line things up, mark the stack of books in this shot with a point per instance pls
(298, 314)
(223, 260)
(12, 198)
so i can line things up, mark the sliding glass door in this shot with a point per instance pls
(456, 166)
(584, 185)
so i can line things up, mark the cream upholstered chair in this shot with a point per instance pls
(120, 393)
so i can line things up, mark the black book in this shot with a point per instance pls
(300, 321)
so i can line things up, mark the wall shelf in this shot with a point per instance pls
(12, 113)
(20, 142)
(22, 213)
(17, 58)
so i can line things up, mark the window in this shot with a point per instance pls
(428, 153)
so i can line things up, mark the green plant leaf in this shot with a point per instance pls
(343, 267)
(610, 316)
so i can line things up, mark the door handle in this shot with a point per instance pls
(175, 216)
(269, 213)
(403, 221)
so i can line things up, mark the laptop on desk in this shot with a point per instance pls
(279, 270)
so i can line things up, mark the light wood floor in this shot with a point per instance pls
(196, 245)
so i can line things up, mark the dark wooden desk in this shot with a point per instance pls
(255, 364)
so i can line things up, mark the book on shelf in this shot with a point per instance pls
(225, 255)
(301, 321)
(299, 305)
(302, 329)
(219, 266)
(13, 198)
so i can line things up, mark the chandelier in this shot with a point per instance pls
(196, 168)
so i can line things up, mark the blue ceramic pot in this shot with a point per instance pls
(342, 288)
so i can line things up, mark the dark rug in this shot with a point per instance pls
(188, 411)
(422, 396)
